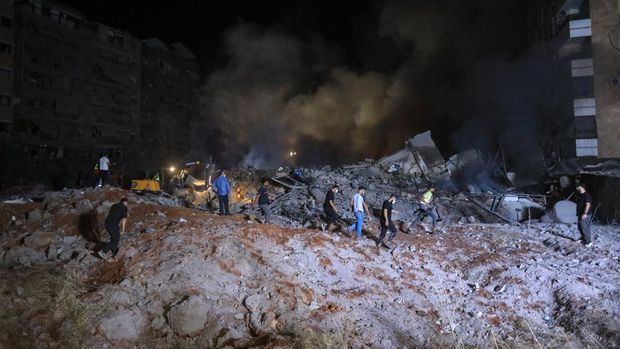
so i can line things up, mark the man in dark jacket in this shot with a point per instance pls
(584, 214)
(386, 220)
(331, 211)
(262, 197)
(117, 216)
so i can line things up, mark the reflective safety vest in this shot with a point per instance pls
(427, 197)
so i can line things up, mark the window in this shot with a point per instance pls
(585, 127)
(116, 38)
(46, 11)
(5, 74)
(582, 67)
(587, 147)
(584, 106)
(581, 28)
(5, 101)
(6, 22)
(5, 48)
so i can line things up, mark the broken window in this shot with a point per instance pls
(5, 127)
(6, 22)
(5, 74)
(5, 48)
(46, 11)
(5, 101)
(115, 38)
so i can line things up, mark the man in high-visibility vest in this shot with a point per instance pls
(426, 207)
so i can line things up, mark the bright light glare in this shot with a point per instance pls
(172, 168)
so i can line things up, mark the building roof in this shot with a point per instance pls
(155, 43)
(182, 51)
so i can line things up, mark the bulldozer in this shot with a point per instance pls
(151, 183)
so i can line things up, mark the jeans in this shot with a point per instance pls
(358, 224)
(428, 211)
(584, 229)
(266, 212)
(115, 238)
(223, 200)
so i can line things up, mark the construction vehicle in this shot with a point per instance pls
(154, 181)
(151, 183)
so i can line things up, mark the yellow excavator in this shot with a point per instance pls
(154, 181)
(151, 183)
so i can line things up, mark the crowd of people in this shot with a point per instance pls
(116, 220)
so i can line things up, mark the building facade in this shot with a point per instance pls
(584, 38)
(7, 66)
(170, 99)
(77, 82)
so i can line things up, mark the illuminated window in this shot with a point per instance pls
(587, 147)
(584, 106)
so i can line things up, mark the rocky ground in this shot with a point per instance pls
(190, 279)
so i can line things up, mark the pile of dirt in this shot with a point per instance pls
(185, 278)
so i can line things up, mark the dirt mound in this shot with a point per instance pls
(185, 278)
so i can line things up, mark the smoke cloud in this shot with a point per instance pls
(461, 72)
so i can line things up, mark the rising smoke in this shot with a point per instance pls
(462, 73)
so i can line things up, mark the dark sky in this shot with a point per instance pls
(201, 24)
(350, 25)
(344, 80)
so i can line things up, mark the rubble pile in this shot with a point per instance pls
(186, 278)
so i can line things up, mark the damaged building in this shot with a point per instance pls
(584, 38)
(74, 88)
(169, 103)
(78, 82)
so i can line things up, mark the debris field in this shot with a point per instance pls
(186, 278)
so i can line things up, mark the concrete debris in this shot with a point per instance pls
(217, 281)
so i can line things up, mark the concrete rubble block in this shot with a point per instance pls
(565, 212)
(35, 215)
(189, 317)
(84, 206)
(254, 303)
(43, 239)
(123, 326)
(24, 255)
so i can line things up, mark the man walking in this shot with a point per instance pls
(262, 197)
(331, 211)
(104, 166)
(584, 214)
(222, 188)
(426, 208)
(386, 220)
(359, 207)
(116, 216)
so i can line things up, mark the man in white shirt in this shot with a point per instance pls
(359, 207)
(104, 166)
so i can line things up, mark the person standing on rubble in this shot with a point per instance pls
(584, 214)
(104, 167)
(222, 188)
(262, 197)
(426, 207)
(386, 220)
(117, 216)
(359, 207)
(331, 211)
